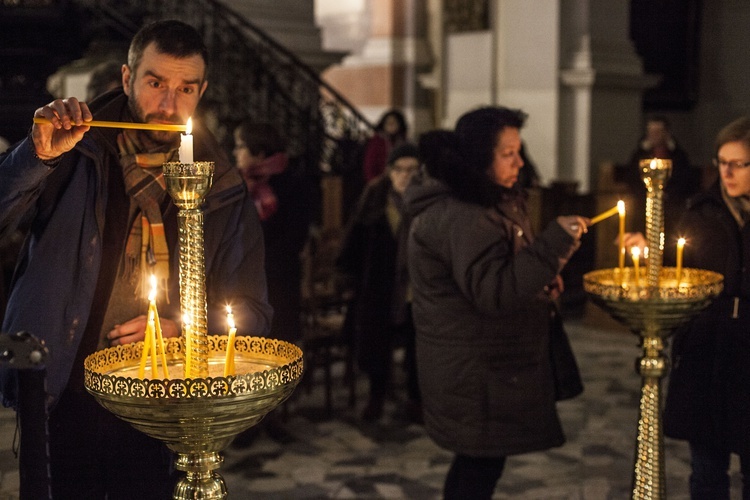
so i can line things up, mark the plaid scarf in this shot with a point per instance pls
(146, 250)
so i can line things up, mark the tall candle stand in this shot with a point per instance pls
(653, 312)
(197, 414)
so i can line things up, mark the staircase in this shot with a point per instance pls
(249, 73)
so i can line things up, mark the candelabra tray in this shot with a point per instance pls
(201, 414)
(657, 309)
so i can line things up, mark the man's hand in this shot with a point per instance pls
(67, 125)
(134, 330)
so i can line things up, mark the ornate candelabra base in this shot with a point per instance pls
(200, 480)
(652, 313)
(196, 418)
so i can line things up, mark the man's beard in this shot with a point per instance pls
(157, 136)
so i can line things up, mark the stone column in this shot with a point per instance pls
(384, 73)
(601, 84)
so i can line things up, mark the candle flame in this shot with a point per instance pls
(186, 320)
(654, 164)
(621, 207)
(230, 317)
(189, 126)
(681, 242)
(636, 252)
(152, 293)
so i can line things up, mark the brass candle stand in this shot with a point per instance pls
(196, 414)
(652, 308)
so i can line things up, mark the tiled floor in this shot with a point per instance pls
(342, 457)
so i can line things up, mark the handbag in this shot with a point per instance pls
(568, 383)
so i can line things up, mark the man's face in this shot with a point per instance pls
(164, 89)
(401, 172)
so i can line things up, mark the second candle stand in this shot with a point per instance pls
(653, 313)
(188, 184)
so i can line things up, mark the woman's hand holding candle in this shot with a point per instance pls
(574, 225)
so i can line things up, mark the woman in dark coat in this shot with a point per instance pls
(390, 132)
(373, 254)
(708, 397)
(483, 292)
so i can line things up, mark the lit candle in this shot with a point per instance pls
(229, 362)
(186, 143)
(188, 342)
(605, 215)
(149, 340)
(146, 351)
(680, 248)
(621, 236)
(636, 254)
(154, 316)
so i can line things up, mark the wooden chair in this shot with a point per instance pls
(325, 301)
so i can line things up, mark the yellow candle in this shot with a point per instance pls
(680, 248)
(145, 353)
(229, 362)
(153, 315)
(621, 236)
(149, 337)
(188, 343)
(151, 332)
(167, 127)
(605, 215)
(636, 254)
(160, 343)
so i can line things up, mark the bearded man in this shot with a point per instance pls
(99, 220)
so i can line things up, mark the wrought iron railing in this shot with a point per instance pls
(251, 75)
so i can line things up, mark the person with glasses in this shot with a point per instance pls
(708, 397)
(373, 254)
(708, 394)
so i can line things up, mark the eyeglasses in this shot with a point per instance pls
(405, 170)
(731, 165)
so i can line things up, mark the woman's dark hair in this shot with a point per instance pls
(403, 128)
(477, 133)
(462, 159)
(736, 131)
(438, 151)
(261, 138)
